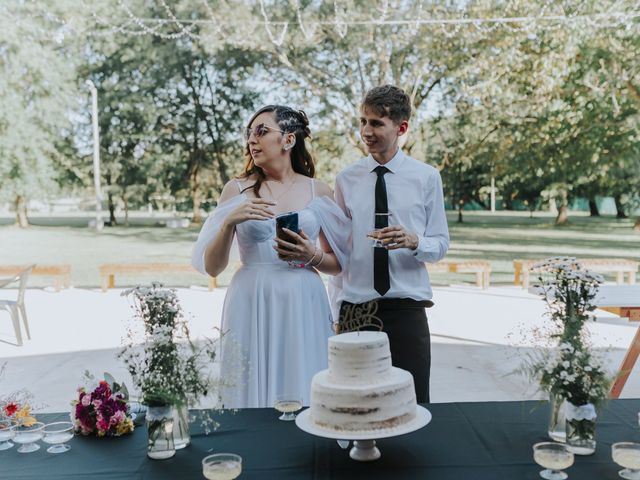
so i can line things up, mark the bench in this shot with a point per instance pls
(619, 266)
(61, 273)
(109, 271)
(481, 268)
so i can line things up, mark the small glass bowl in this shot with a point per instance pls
(554, 457)
(222, 466)
(56, 434)
(627, 455)
(27, 436)
(6, 434)
(288, 404)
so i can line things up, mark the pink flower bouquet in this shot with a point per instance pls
(101, 412)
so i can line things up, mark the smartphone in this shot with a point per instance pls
(286, 220)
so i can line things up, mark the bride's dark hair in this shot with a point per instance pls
(289, 121)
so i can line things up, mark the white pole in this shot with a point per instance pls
(493, 195)
(96, 154)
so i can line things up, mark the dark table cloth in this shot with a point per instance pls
(475, 441)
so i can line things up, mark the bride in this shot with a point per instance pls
(276, 308)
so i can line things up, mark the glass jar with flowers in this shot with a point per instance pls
(569, 372)
(167, 368)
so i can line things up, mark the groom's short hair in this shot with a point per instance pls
(388, 101)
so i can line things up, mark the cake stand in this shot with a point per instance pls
(364, 445)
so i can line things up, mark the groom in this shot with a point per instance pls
(401, 199)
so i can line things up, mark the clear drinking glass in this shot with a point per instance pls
(27, 436)
(373, 235)
(554, 457)
(222, 466)
(627, 455)
(56, 434)
(288, 404)
(6, 434)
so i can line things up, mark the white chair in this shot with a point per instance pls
(16, 308)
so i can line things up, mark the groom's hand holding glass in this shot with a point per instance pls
(394, 237)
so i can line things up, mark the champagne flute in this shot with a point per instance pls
(554, 457)
(222, 466)
(627, 455)
(288, 404)
(380, 218)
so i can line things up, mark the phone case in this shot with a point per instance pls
(287, 220)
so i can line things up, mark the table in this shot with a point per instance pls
(476, 441)
(623, 300)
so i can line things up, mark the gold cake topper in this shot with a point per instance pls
(356, 317)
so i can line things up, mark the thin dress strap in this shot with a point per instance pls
(239, 186)
(313, 189)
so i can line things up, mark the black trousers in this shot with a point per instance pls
(405, 323)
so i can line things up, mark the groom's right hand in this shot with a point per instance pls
(252, 209)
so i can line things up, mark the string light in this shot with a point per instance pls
(343, 20)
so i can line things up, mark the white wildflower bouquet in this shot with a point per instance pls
(570, 371)
(167, 368)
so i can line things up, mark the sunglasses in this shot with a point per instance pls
(259, 130)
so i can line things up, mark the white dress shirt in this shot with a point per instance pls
(415, 201)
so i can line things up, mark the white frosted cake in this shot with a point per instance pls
(361, 391)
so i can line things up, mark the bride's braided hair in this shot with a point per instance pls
(289, 121)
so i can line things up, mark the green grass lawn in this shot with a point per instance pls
(498, 238)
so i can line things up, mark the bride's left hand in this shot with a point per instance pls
(297, 248)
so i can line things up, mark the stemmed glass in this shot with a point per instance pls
(6, 434)
(56, 434)
(554, 457)
(627, 455)
(376, 243)
(28, 436)
(222, 466)
(288, 404)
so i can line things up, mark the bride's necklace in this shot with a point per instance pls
(275, 199)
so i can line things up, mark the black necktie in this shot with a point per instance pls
(380, 254)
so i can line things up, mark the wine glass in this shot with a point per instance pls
(380, 218)
(288, 404)
(6, 434)
(28, 436)
(222, 466)
(554, 457)
(56, 434)
(627, 455)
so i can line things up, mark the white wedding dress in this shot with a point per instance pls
(277, 317)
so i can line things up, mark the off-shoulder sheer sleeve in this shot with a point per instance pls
(335, 225)
(337, 229)
(211, 228)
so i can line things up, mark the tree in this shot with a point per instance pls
(36, 88)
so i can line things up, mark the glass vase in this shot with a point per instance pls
(581, 428)
(557, 429)
(160, 430)
(181, 435)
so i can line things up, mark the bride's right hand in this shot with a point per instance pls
(252, 209)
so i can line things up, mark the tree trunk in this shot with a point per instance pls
(636, 226)
(112, 210)
(593, 207)
(619, 207)
(195, 196)
(126, 211)
(563, 215)
(21, 212)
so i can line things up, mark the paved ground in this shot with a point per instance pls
(479, 338)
